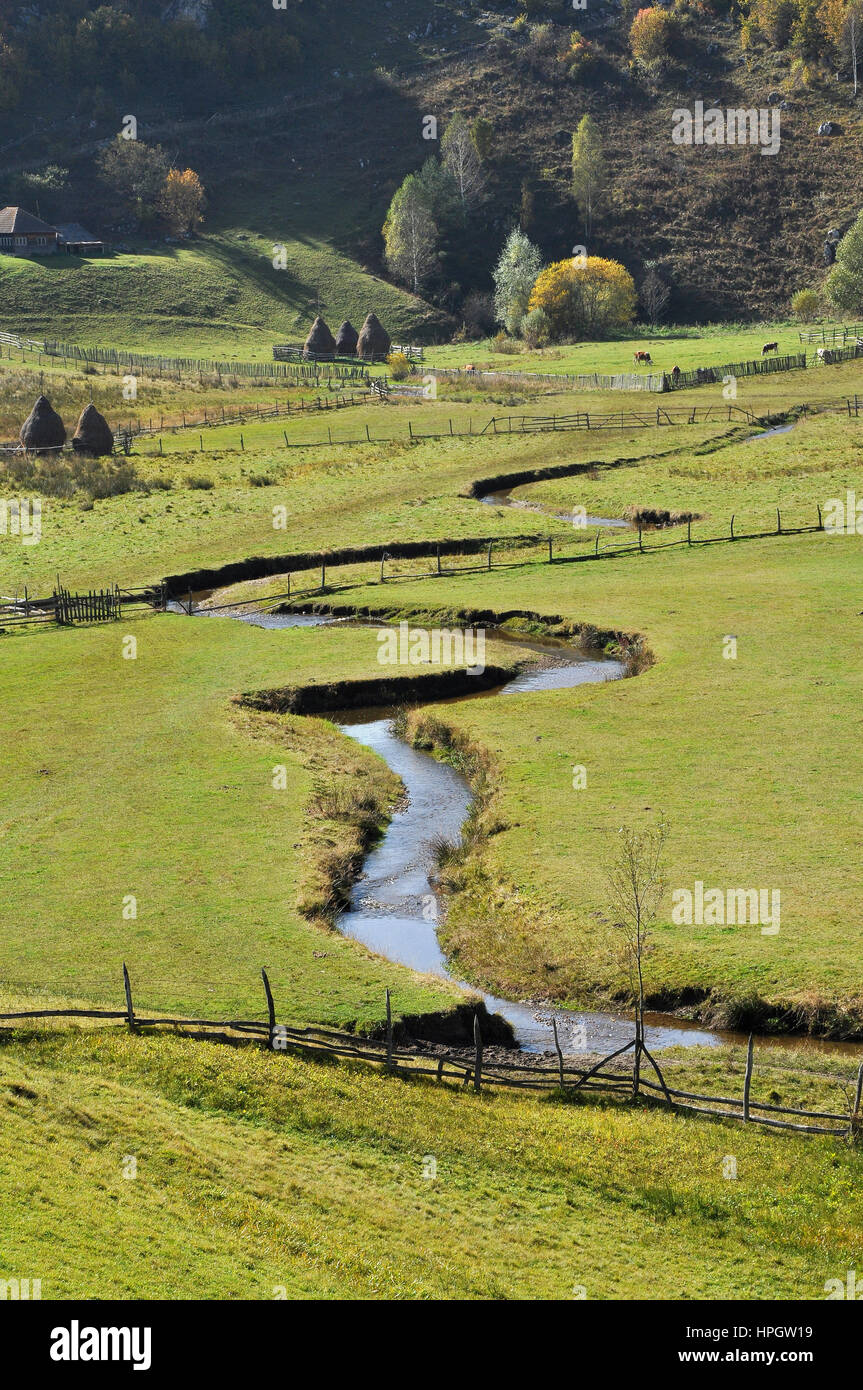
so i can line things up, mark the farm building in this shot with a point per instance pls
(22, 234)
(77, 241)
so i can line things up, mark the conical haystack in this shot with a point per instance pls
(43, 428)
(346, 340)
(320, 341)
(374, 341)
(93, 434)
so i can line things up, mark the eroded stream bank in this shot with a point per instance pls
(394, 909)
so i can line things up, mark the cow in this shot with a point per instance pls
(769, 347)
(675, 372)
(470, 367)
(642, 357)
(822, 355)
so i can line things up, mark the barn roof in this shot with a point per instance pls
(73, 232)
(17, 220)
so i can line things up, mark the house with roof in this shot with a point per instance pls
(22, 234)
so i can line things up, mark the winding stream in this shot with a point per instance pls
(394, 908)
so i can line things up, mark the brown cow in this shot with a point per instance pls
(769, 347)
(675, 371)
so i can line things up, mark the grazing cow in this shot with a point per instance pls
(470, 367)
(769, 347)
(821, 354)
(642, 357)
(675, 372)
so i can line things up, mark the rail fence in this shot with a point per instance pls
(67, 609)
(471, 1067)
(178, 591)
(297, 352)
(831, 335)
(117, 359)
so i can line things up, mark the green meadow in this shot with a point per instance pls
(261, 1176)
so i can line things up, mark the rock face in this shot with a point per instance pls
(374, 341)
(43, 428)
(93, 434)
(346, 339)
(320, 340)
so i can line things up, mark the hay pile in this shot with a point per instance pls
(43, 428)
(374, 341)
(93, 434)
(346, 340)
(320, 341)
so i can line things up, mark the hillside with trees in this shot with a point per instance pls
(393, 153)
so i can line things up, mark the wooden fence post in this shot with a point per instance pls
(130, 1012)
(732, 526)
(747, 1080)
(689, 531)
(271, 1008)
(559, 1053)
(550, 555)
(389, 1033)
(477, 1067)
(858, 1097)
(489, 553)
(778, 522)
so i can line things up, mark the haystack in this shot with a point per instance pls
(346, 340)
(374, 341)
(43, 428)
(320, 341)
(93, 434)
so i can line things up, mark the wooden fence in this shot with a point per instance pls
(218, 416)
(66, 609)
(293, 352)
(95, 606)
(471, 1067)
(117, 359)
(832, 335)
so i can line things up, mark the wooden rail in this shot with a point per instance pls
(472, 1066)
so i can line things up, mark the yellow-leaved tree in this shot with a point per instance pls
(585, 297)
(182, 201)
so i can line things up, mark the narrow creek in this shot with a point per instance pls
(394, 908)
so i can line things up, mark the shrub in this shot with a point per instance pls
(200, 483)
(536, 328)
(804, 305)
(399, 365)
(651, 37)
(506, 345)
(585, 300)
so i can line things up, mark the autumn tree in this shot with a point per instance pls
(410, 234)
(589, 170)
(182, 201)
(462, 161)
(845, 282)
(842, 21)
(651, 36)
(515, 275)
(135, 173)
(636, 883)
(585, 297)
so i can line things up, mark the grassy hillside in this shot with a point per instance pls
(261, 1176)
(315, 173)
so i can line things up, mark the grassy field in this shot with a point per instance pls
(710, 345)
(747, 757)
(147, 781)
(261, 1176)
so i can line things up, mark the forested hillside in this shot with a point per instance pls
(303, 121)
